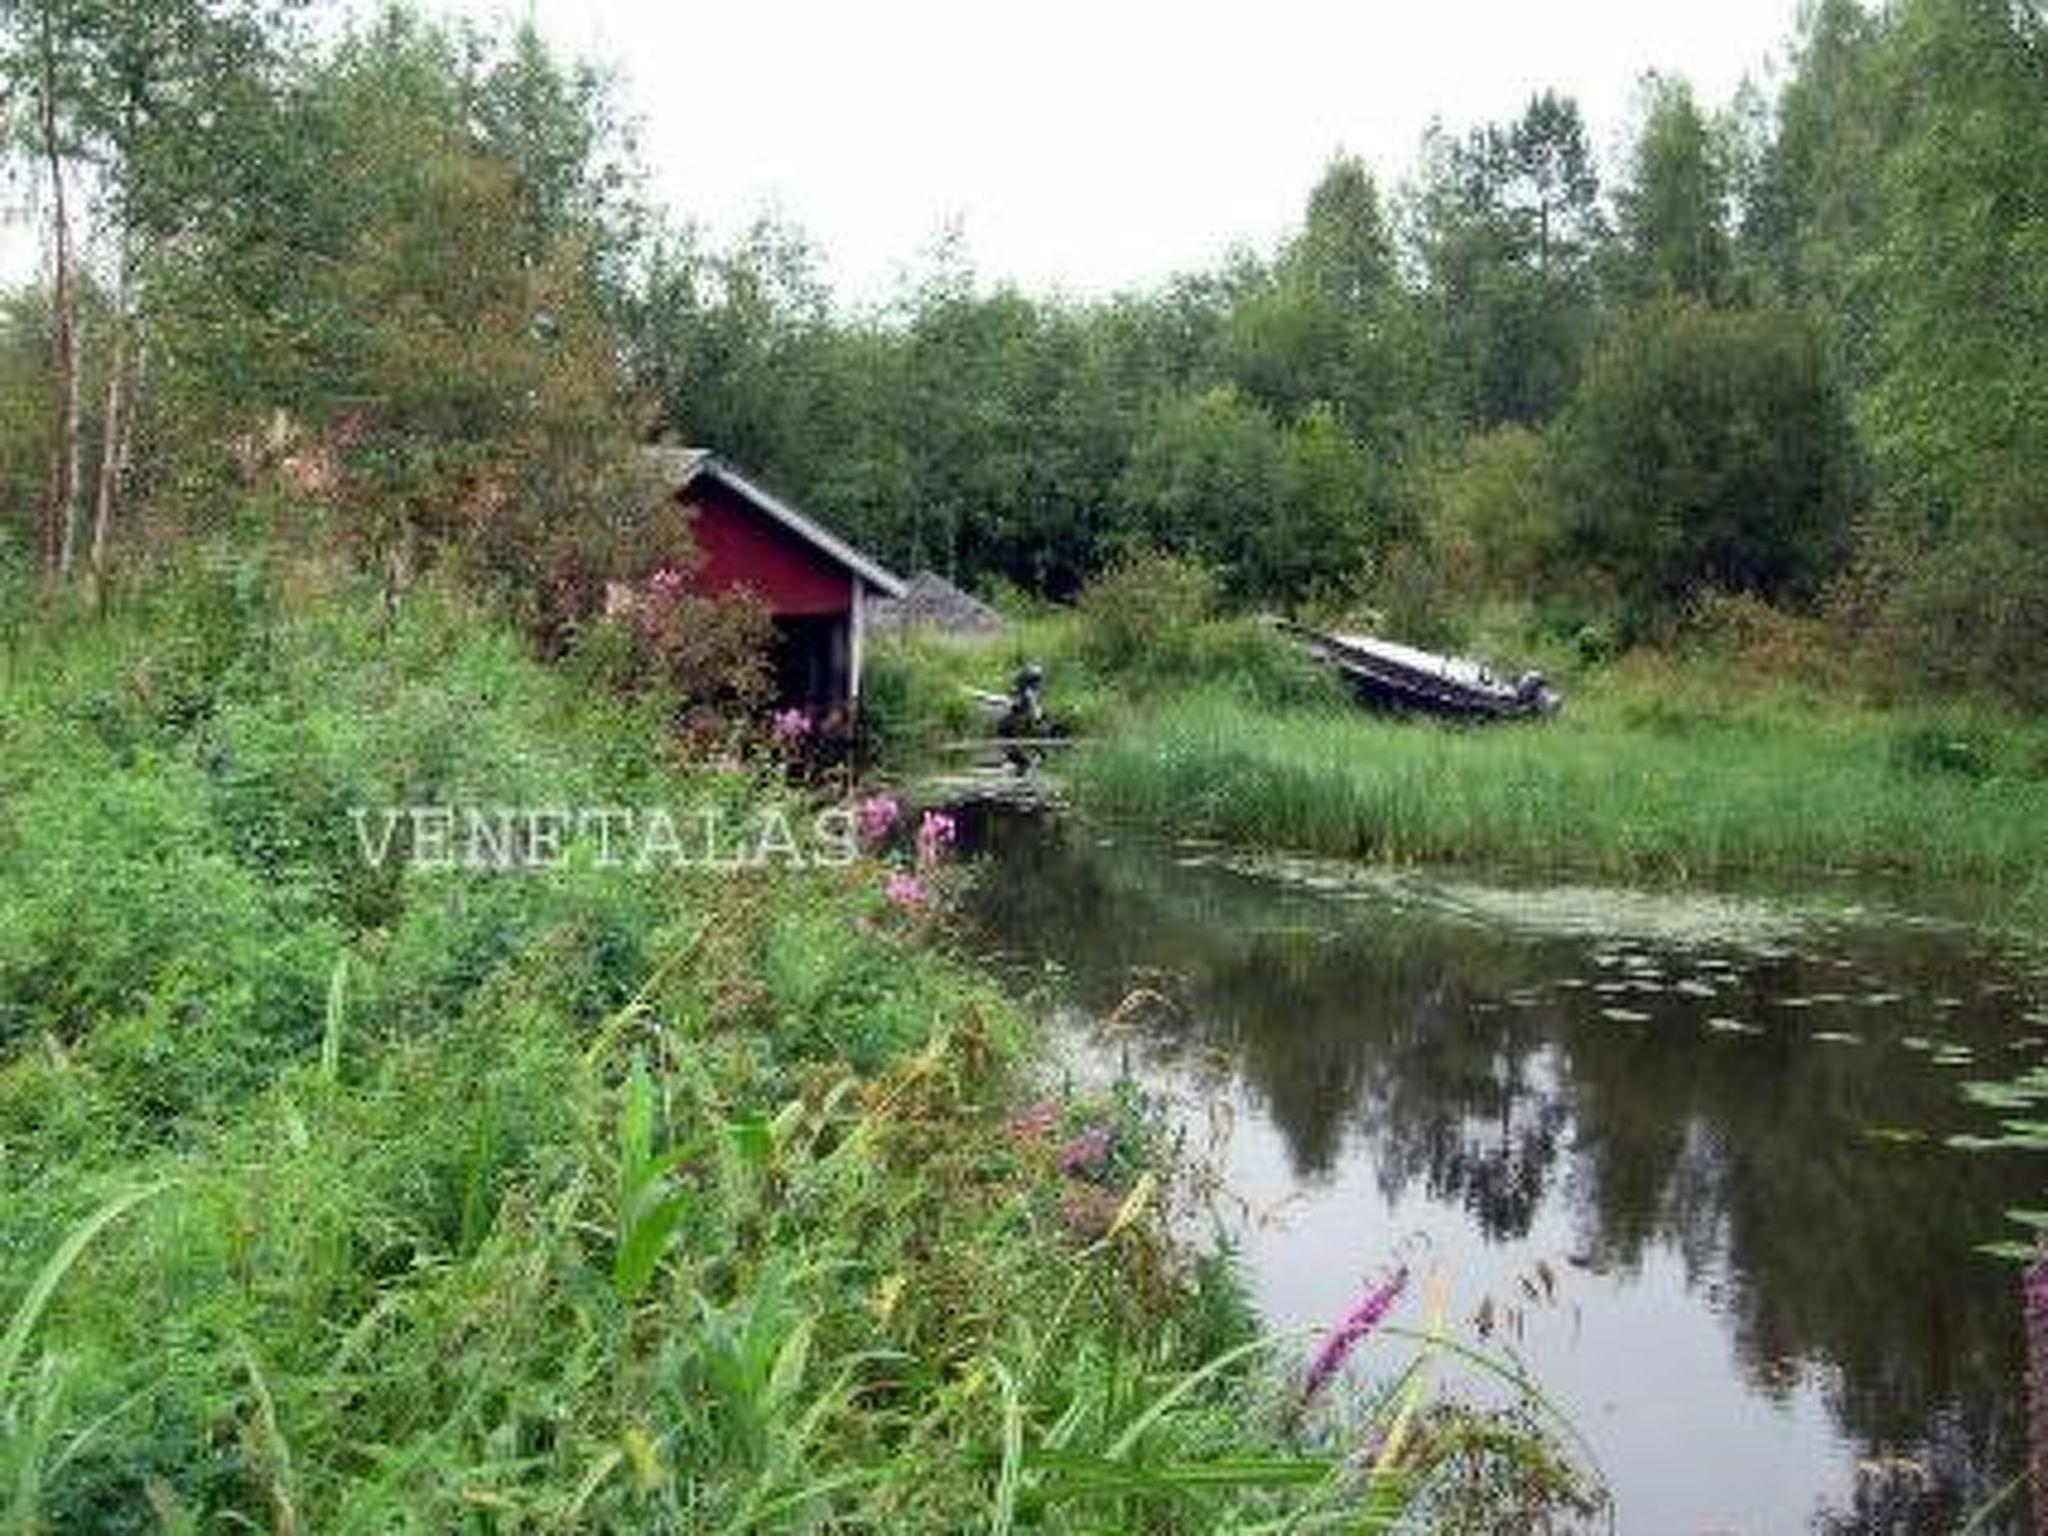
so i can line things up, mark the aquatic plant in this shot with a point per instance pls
(1590, 792)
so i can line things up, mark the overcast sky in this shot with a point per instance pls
(1089, 145)
(1096, 144)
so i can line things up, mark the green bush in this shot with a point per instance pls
(1495, 518)
(1707, 450)
(1966, 610)
(914, 693)
(1151, 624)
(1142, 613)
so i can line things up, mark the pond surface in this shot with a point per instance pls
(1682, 1155)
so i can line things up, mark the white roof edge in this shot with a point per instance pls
(874, 575)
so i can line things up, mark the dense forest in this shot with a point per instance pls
(400, 283)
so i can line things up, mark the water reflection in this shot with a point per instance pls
(1719, 1123)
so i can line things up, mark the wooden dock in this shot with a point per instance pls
(995, 784)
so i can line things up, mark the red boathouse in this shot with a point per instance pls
(817, 587)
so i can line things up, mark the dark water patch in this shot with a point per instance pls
(1718, 1124)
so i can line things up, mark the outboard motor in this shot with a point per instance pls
(1535, 695)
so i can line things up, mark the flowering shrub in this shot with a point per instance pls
(712, 651)
(791, 728)
(1034, 1125)
(935, 834)
(876, 819)
(1088, 1150)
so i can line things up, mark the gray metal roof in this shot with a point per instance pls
(929, 600)
(680, 468)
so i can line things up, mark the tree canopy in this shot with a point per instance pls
(401, 273)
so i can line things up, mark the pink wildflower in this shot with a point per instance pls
(668, 582)
(935, 834)
(790, 726)
(1031, 1126)
(1086, 1151)
(1090, 1211)
(876, 819)
(906, 891)
(1370, 1311)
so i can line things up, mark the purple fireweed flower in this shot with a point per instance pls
(1368, 1314)
(906, 891)
(935, 834)
(1087, 1149)
(876, 817)
(667, 582)
(791, 726)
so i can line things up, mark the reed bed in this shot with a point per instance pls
(1625, 788)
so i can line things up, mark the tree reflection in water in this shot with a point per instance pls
(1493, 1069)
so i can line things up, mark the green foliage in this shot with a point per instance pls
(713, 655)
(914, 694)
(1954, 407)
(1284, 513)
(1283, 420)
(1144, 611)
(651, 1205)
(1966, 612)
(1204, 474)
(1808, 188)
(592, 1199)
(1150, 624)
(394, 285)
(1640, 779)
(1955, 276)
(183, 866)
(1496, 518)
(366, 274)
(996, 436)
(1674, 205)
(1508, 224)
(1708, 450)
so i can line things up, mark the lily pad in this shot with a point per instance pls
(1723, 1025)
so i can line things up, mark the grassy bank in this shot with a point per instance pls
(1659, 768)
(350, 1197)
(1661, 796)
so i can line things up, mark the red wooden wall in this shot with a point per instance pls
(740, 546)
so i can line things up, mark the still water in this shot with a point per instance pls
(1683, 1155)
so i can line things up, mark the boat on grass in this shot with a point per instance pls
(1401, 679)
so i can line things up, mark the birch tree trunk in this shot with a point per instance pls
(61, 528)
(113, 443)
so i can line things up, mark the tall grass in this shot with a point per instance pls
(1640, 785)
(607, 1201)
